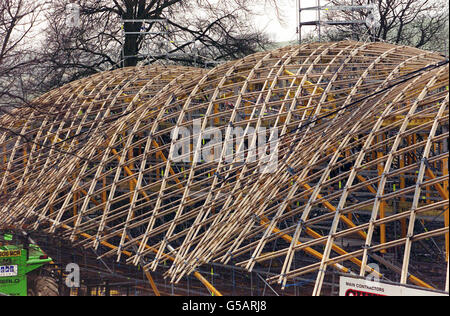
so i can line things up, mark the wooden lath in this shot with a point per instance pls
(354, 138)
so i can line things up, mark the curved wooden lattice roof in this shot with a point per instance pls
(357, 138)
(59, 123)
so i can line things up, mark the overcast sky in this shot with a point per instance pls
(285, 30)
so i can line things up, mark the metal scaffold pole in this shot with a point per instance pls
(321, 22)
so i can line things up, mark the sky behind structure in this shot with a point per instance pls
(280, 25)
(285, 29)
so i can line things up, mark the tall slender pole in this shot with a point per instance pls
(319, 22)
(299, 12)
(353, 19)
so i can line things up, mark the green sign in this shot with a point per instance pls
(13, 280)
(15, 264)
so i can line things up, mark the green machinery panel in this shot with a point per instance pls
(15, 263)
(13, 280)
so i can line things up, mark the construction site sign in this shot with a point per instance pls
(355, 286)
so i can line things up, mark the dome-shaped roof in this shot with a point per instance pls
(296, 149)
(59, 123)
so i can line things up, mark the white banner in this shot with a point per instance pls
(360, 287)
(8, 271)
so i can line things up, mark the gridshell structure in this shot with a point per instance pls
(335, 152)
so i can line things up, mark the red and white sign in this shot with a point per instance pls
(360, 287)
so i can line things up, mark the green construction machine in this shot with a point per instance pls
(24, 267)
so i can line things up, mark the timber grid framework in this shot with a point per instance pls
(357, 132)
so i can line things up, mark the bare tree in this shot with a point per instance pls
(18, 20)
(417, 23)
(182, 31)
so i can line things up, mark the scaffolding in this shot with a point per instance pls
(144, 33)
(148, 52)
(322, 21)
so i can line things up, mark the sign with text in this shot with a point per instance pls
(10, 253)
(8, 271)
(349, 286)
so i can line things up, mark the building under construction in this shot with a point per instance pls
(276, 174)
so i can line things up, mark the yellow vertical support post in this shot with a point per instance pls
(152, 283)
(216, 111)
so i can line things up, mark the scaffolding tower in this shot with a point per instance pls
(142, 32)
(149, 54)
(321, 21)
